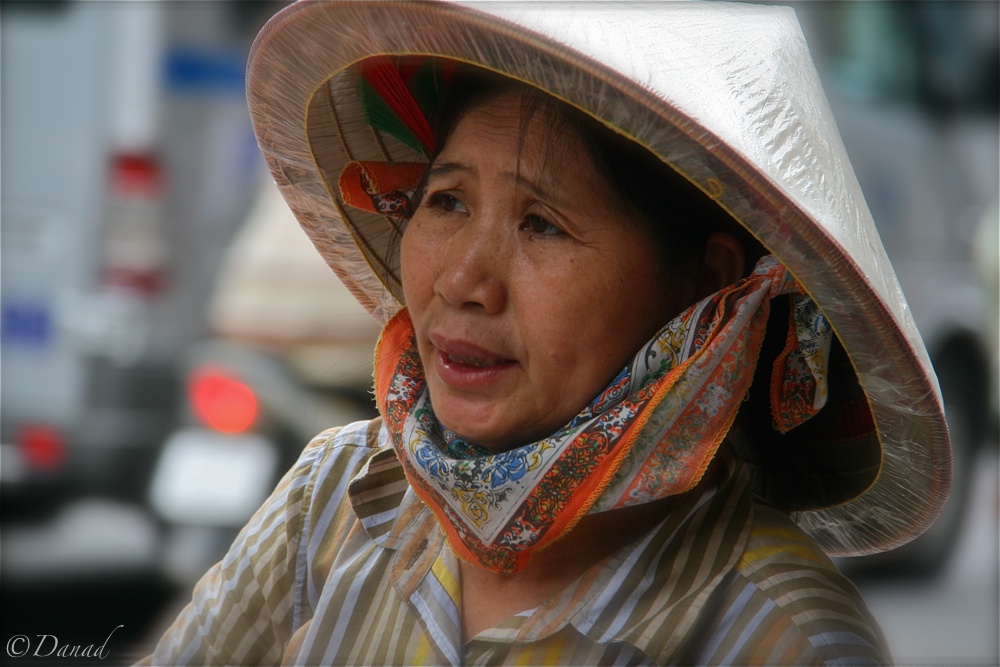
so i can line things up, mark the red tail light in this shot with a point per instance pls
(135, 249)
(221, 401)
(136, 176)
(42, 447)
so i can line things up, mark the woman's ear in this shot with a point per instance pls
(724, 262)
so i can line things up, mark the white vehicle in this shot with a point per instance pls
(128, 162)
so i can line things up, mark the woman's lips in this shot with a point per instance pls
(464, 365)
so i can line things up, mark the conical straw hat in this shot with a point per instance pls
(724, 93)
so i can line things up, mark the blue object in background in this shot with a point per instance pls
(25, 323)
(192, 70)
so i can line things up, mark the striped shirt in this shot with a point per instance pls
(345, 566)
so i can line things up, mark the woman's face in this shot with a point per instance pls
(528, 284)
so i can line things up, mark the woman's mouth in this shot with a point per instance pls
(464, 365)
(475, 362)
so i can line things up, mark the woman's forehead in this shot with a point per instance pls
(528, 136)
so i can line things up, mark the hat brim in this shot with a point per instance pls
(725, 94)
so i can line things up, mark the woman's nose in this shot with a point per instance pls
(472, 273)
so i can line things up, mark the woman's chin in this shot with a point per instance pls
(494, 441)
(479, 429)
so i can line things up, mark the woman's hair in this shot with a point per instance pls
(677, 215)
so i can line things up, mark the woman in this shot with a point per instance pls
(606, 395)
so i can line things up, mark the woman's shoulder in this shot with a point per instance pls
(784, 603)
(776, 545)
(786, 586)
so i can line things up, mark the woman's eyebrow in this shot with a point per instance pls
(445, 168)
(538, 190)
(519, 179)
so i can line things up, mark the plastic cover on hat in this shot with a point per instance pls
(725, 93)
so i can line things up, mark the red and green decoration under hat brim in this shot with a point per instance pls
(398, 96)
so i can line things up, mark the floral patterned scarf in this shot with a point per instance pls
(651, 433)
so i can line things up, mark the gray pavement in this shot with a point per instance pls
(953, 619)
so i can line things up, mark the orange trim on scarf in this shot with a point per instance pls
(393, 340)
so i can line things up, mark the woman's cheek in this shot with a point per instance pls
(413, 258)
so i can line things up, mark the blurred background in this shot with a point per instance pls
(169, 339)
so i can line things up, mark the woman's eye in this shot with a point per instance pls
(447, 202)
(541, 226)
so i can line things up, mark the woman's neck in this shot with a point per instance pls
(488, 598)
